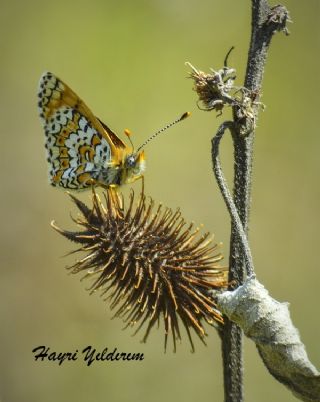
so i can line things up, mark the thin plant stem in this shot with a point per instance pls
(227, 195)
(264, 25)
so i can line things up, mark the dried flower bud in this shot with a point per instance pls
(278, 18)
(246, 110)
(214, 88)
(150, 264)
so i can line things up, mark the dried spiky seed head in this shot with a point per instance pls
(149, 263)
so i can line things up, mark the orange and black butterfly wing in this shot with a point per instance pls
(78, 145)
(113, 137)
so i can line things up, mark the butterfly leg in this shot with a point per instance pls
(142, 185)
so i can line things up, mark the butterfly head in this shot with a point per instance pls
(134, 166)
(134, 163)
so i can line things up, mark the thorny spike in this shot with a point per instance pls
(149, 264)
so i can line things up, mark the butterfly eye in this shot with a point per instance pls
(131, 161)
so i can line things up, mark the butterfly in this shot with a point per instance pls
(81, 150)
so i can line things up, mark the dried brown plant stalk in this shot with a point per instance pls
(215, 91)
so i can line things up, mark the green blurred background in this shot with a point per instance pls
(126, 60)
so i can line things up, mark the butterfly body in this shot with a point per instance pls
(81, 150)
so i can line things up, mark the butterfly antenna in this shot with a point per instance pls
(184, 116)
(128, 134)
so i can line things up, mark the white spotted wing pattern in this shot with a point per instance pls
(81, 150)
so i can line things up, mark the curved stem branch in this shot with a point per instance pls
(227, 195)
